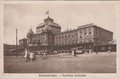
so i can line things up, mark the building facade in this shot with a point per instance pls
(23, 42)
(49, 36)
(85, 37)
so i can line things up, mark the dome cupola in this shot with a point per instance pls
(48, 19)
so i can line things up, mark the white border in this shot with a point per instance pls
(32, 75)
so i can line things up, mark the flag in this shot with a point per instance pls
(47, 12)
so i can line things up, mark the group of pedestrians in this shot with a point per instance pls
(30, 56)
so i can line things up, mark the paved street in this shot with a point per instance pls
(83, 63)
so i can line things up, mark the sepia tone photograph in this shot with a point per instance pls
(59, 0)
(60, 38)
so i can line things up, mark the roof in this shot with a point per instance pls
(48, 18)
(30, 32)
(112, 42)
(41, 24)
(23, 39)
(92, 25)
(67, 31)
(86, 25)
(54, 24)
(51, 23)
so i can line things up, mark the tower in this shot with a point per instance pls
(30, 34)
(50, 25)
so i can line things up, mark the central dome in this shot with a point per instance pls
(48, 19)
(48, 24)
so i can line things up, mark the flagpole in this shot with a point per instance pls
(47, 13)
(16, 43)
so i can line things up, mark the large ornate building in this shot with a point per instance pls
(49, 36)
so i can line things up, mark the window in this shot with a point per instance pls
(57, 44)
(99, 31)
(65, 36)
(69, 36)
(68, 42)
(85, 31)
(59, 37)
(56, 37)
(89, 33)
(80, 32)
(80, 37)
(96, 31)
(62, 37)
(76, 34)
(73, 35)
(89, 29)
(62, 43)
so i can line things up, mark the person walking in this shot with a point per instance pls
(75, 53)
(26, 56)
(44, 55)
(31, 56)
(109, 50)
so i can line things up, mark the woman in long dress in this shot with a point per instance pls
(26, 55)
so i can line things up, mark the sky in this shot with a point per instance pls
(26, 16)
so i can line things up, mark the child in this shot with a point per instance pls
(31, 56)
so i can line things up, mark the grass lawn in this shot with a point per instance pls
(83, 63)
